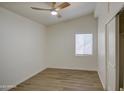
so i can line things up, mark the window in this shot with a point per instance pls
(83, 44)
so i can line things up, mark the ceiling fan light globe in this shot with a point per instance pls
(54, 13)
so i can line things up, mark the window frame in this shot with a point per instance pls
(75, 45)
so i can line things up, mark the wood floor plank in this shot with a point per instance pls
(53, 79)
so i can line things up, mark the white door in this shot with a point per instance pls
(111, 55)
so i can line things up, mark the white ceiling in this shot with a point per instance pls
(76, 9)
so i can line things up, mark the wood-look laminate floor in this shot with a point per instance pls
(62, 80)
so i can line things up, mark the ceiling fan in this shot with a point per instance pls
(54, 9)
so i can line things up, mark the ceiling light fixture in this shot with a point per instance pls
(53, 12)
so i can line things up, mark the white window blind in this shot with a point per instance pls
(83, 44)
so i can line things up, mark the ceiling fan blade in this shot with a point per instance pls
(35, 8)
(63, 5)
(53, 4)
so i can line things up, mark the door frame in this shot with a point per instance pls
(107, 51)
(117, 52)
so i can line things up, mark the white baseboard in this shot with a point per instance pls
(72, 68)
(101, 81)
(6, 88)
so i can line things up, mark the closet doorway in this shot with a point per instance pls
(115, 52)
(121, 49)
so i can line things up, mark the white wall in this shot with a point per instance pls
(104, 14)
(22, 45)
(61, 44)
(23, 51)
